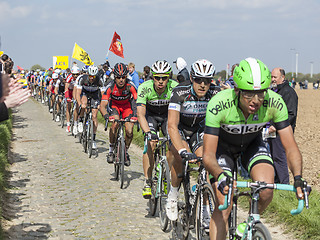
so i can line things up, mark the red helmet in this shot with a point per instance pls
(120, 69)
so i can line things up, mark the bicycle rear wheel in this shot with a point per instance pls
(90, 137)
(122, 159)
(260, 232)
(205, 197)
(164, 190)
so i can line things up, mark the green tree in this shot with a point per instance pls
(37, 66)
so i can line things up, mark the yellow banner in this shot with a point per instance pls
(61, 62)
(81, 55)
(1, 52)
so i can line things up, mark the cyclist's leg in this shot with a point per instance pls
(148, 159)
(219, 219)
(258, 161)
(114, 114)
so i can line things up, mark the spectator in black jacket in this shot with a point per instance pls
(183, 74)
(282, 87)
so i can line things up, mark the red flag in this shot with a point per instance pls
(19, 68)
(116, 46)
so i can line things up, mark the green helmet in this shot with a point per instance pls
(252, 74)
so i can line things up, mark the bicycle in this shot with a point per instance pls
(190, 206)
(160, 185)
(87, 134)
(119, 151)
(254, 229)
(73, 108)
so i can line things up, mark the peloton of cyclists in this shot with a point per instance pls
(120, 98)
(152, 110)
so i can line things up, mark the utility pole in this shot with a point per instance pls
(297, 56)
(311, 73)
(292, 49)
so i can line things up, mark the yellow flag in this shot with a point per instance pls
(81, 55)
(61, 62)
(1, 52)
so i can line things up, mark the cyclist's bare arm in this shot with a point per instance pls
(141, 112)
(103, 108)
(173, 122)
(294, 156)
(56, 90)
(210, 143)
(78, 98)
(292, 151)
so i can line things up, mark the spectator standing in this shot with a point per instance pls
(230, 81)
(281, 86)
(134, 76)
(183, 74)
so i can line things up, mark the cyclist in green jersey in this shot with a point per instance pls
(234, 120)
(152, 110)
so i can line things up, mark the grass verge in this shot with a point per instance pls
(5, 138)
(305, 225)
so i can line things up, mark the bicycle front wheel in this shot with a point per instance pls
(90, 137)
(205, 199)
(260, 232)
(181, 226)
(122, 159)
(165, 189)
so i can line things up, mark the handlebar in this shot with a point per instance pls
(263, 185)
(145, 148)
(115, 120)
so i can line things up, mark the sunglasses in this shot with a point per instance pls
(200, 80)
(158, 78)
(121, 77)
(251, 94)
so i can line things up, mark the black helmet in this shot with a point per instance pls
(120, 69)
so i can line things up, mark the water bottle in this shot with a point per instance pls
(240, 230)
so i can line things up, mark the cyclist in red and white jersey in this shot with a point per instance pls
(121, 96)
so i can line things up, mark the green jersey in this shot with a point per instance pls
(155, 104)
(225, 119)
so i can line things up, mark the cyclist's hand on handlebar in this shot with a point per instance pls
(223, 182)
(187, 156)
(152, 136)
(111, 118)
(302, 187)
(133, 119)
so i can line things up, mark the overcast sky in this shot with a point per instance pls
(222, 31)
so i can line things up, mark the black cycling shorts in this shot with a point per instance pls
(255, 153)
(95, 97)
(156, 122)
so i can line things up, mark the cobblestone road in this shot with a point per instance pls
(59, 193)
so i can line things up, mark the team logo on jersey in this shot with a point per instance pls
(243, 129)
(273, 103)
(222, 161)
(222, 105)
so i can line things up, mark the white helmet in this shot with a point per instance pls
(161, 67)
(202, 68)
(75, 70)
(55, 75)
(92, 70)
(57, 71)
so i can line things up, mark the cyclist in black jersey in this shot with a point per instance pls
(59, 90)
(234, 120)
(187, 110)
(152, 110)
(90, 86)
